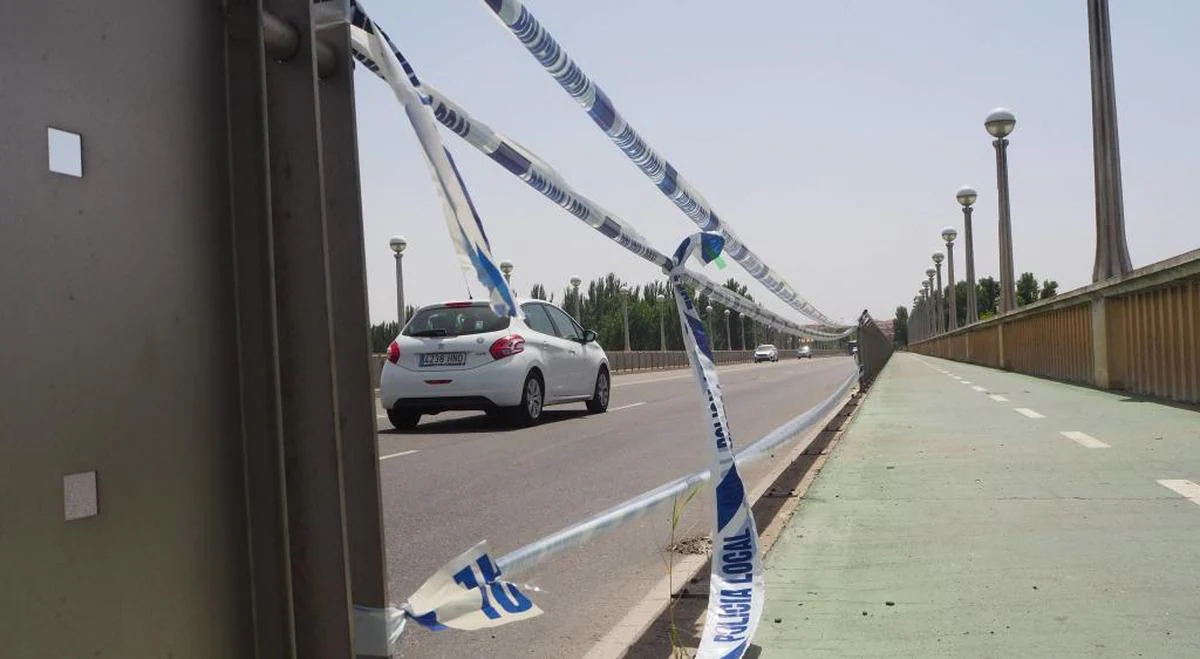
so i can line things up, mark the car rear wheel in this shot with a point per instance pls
(599, 402)
(404, 419)
(533, 398)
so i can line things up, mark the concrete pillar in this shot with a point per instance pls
(1100, 343)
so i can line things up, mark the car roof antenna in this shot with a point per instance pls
(467, 283)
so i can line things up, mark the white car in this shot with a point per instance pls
(766, 353)
(462, 356)
(804, 352)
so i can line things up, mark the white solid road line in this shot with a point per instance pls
(1029, 413)
(979, 388)
(1186, 489)
(965, 381)
(1084, 439)
(625, 407)
(998, 398)
(396, 455)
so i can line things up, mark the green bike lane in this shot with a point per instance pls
(969, 512)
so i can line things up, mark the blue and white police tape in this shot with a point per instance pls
(378, 630)
(554, 59)
(530, 556)
(462, 219)
(466, 593)
(536, 173)
(737, 590)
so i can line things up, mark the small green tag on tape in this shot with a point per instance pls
(720, 261)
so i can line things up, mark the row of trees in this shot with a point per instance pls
(987, 296)
(598, 306)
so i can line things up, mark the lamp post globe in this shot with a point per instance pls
(938, 257)
(506, 267)
(949, 234)
(575, 280)
(1000, 123)
(398, 244)
(966, 195)
(929, 272)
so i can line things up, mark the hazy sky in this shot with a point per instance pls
(831, 135)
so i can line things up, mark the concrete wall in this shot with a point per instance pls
(1139, 332)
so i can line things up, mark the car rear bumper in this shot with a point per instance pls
(437, 404)
(500, 385)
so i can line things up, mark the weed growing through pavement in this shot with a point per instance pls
(677, 506)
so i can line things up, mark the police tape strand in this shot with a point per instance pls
(554, 59)
(532, 170)
(522, 560)
(468, 593)
(379, 630)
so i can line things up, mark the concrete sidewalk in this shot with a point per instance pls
(969, 512)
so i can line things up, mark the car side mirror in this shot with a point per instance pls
(589, 336)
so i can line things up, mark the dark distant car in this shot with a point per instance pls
(804, 352)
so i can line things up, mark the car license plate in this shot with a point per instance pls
(444, 359)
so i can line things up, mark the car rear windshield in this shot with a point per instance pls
(455, 321)
(765, 347)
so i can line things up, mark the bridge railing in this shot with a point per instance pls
(651, 360)
(1139, 332)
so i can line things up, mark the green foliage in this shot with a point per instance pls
(1049, 289)
(901, 326)
(1027, 289)
(382, 334)
(988, 296)
(538, 292)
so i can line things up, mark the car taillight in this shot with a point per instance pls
(393, 352)
(507, 346)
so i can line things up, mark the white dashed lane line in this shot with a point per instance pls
(1084, 439)
(979, 388)
(396, 455)
(625, 407)
(998, 398)
(1029, 413)
(1186, 489)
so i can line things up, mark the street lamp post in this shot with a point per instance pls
(940, 297)
(948, 235)
(506, 268)
(931, 297)
(576, 280)
(743, 331)
(662, 332)
(624, 290)
(728, 335)
(1112, 250)
(915, 326)
(708, 318)
(967, 196)
(1000, 124)
(398, 245)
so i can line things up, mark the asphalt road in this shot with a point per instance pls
(461, 477)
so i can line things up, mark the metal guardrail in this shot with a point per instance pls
(874, 350)
(651, 360)
(1139, 332)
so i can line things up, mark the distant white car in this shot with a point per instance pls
(766, 353)
(462, 356)
(804, 352)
